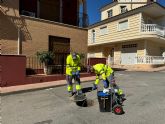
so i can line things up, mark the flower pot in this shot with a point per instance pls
(47, 70)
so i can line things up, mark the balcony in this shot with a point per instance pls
(153, 29)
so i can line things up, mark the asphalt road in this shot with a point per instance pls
(145, 104)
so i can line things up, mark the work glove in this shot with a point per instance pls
(94, 87)
(73, 73)
(105, 90)
(113, 81)
(77, 72)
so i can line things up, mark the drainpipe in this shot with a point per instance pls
(61, 10)
(19, 50)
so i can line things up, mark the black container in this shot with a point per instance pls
(104, 101)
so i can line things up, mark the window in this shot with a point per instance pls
(123, 9)
(149, 21)
(103, 30)
(91, 55)
(93, 36)
(129, 46)
(28, 7)
(27, 13)
(110, 13)
(123, 25)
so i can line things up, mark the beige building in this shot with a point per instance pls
(28, 26)
(130, 32)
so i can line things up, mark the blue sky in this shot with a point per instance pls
(94, 6)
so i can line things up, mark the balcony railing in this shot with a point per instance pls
(153, 28)
(150, 60)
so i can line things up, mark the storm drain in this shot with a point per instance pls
(85, 103)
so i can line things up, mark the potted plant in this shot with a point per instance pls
(46, 58)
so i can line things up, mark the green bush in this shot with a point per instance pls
(46, 57)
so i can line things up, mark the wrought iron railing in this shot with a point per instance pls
(34, 66)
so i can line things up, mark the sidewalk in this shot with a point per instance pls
(20, 88)
(137, 68)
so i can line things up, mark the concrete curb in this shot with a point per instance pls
(38, 86)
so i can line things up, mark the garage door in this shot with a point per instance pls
(129, 53)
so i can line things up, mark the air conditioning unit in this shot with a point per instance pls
(27, 13)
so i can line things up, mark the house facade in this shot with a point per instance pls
(130, 32)
(28, 26)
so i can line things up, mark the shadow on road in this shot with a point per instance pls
(87, 89)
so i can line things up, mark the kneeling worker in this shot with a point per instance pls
(105, 73)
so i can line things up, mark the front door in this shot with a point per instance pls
(61, 48)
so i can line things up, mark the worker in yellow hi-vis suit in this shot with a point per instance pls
(105, 73)
(73, 72)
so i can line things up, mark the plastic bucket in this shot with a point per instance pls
(104, 101)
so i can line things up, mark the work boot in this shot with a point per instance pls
(79, 92)
(70, 93)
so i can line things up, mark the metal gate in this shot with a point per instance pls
(129, 53)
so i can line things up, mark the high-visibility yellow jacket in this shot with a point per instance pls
(72, 66)
(102, 70)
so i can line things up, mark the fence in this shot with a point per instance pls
(34, 66)
(150, 60)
